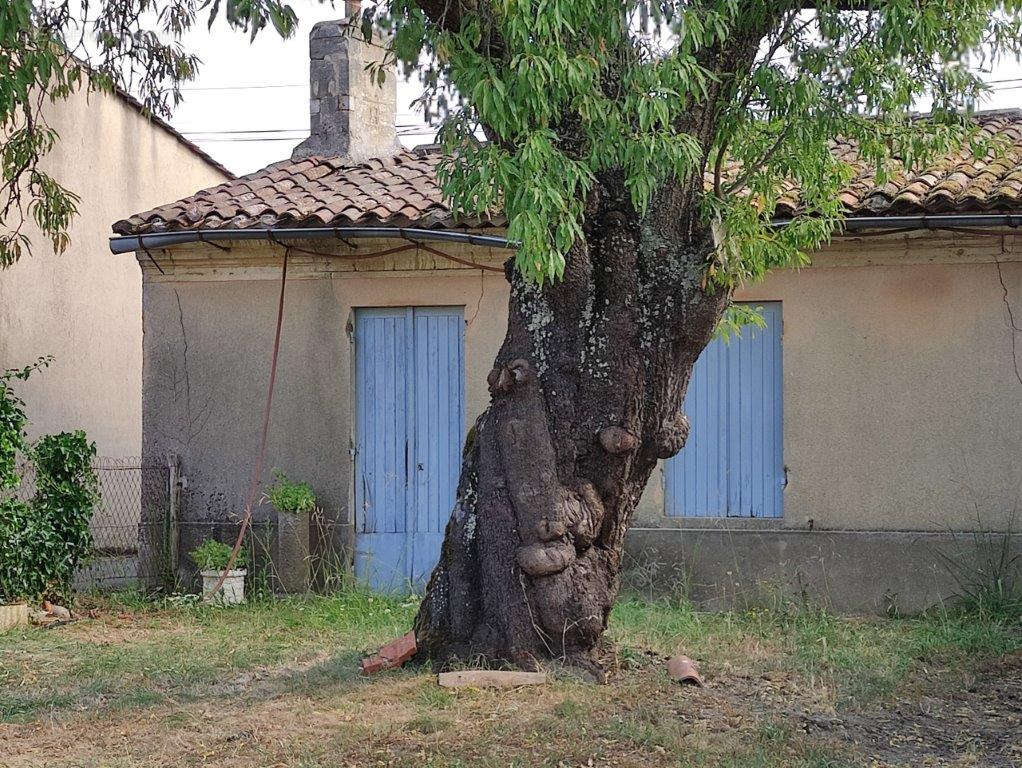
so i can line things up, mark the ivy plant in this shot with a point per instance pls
(12, 422)
(46, 539)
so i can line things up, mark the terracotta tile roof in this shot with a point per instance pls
(402, 190)
(316, 191)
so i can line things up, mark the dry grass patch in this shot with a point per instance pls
(643, 721)
(275, 684)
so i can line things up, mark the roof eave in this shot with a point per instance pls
(128, 243)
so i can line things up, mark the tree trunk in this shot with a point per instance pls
(586, 397)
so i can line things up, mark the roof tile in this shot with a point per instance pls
(403, 190)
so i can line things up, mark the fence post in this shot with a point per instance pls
(173, 507)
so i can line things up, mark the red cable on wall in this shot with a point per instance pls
(261, 455)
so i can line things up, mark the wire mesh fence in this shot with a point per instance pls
(138, 539)
(132, 507)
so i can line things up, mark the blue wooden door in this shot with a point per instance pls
(732, 464)
(409, 419)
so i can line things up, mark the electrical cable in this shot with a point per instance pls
(257, 472)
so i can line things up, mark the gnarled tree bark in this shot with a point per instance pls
(586, 396)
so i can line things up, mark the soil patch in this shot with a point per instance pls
(976, 723)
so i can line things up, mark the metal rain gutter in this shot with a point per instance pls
(128, 243)
(943, 221)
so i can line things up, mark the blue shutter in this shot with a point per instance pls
(732, 464)
(409, 418)
(381, 435)
(439, 409)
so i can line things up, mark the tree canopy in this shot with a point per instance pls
(51, 48)
(725, 102)
(743, 97)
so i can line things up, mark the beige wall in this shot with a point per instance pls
(901, 407)
(84, 307)
(205, 406)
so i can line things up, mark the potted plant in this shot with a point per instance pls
(212, 556)
(294, 502)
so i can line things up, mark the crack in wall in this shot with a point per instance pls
(1012, 326)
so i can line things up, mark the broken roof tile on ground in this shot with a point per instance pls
(403, 190)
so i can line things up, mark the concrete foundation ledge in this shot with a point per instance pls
(842, 571)
(108, 573)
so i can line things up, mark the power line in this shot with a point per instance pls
(241, 87)
(263, 86)
(403, 129)
(416, 127)
(229, 131)
(245, 130)
(236, 139)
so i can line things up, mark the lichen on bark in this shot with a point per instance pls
(554, 467)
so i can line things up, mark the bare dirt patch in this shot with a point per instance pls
(977, 722)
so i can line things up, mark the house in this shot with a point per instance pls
(879, 416)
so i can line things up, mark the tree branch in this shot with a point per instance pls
(750, 169)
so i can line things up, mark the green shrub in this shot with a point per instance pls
(20, 529)
(12, 437)
(46, 539)
(286, 496)
(12, 423)
(212, 555)
(67, 491)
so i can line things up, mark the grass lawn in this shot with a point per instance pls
(276, 684)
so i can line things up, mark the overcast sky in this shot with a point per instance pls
(245, 91)
(249, 105)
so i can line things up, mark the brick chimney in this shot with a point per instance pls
(350, 114)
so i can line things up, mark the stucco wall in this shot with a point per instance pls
(84, 307)
(208, 345)
(901, 407)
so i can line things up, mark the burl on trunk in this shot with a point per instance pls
(586, 396)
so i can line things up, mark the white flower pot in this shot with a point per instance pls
(231, 593)
(12, 616)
